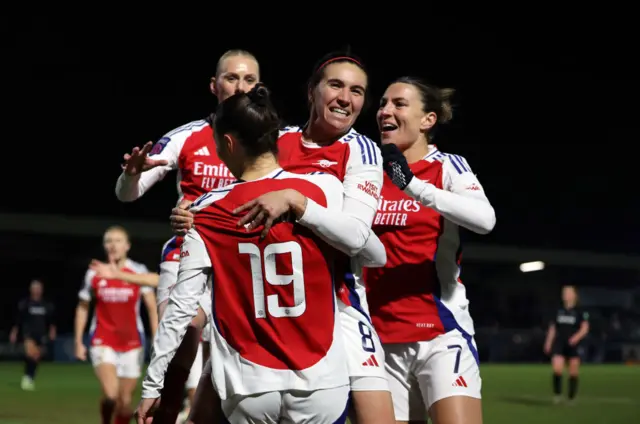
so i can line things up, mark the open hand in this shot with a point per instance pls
(139, 161)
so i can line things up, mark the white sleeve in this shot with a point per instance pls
(462, 199)
(130, 188)
(195, 266)
(141, 268)
(86, 291)
(339, 224)
(363, 178)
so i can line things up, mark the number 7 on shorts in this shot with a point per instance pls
(457, 365)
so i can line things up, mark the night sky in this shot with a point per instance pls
(546, 109)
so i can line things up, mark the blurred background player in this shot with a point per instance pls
(110, 271)
(266, 366)
(35, 321)
(190, 150)
(417, 301)
(117, 332)
(337, 94)
(566, 331)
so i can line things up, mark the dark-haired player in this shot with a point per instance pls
(277, 352)
(35, 320)
(568, 328)
(418, 302)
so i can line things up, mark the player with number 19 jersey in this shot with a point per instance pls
(356, 161)
(275, 331)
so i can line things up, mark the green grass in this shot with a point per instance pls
(520, 394)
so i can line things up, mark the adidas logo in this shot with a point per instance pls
(202, 152)
(371, 362)
(459, 382)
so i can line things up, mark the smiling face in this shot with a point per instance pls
(401, 116)
(338, 98)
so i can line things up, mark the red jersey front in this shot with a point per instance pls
(191, 150)
(356, 161)
(273, 299)
(116, 322)
(418, 295)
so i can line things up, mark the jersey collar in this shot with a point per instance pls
(270, 175)
(433, 150)
(348, 136)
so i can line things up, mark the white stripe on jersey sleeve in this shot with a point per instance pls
(363, 176)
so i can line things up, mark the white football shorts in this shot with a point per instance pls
(365, 355)
(327, 406)
(422, 373)
(128, 364)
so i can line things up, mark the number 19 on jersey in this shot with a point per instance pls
(271, 276)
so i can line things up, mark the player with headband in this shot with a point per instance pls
(337, 94)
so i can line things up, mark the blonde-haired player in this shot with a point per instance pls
(116, 333)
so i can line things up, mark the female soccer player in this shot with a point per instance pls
(569, 327)
(417, 301)
(35, 320)
(329, 144)
(189, 149)
(110, 271)
(116, 345)
(266, 366)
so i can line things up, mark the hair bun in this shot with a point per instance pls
(259, 95)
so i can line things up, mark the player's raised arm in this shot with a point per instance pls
(145, 167)
(195, 267)
(461, 200)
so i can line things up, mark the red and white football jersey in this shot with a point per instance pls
(274, 323)
(418, 295)
(190, 150)
(116, 321)
(357, 162)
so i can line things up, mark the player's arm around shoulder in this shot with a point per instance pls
(331, 187)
